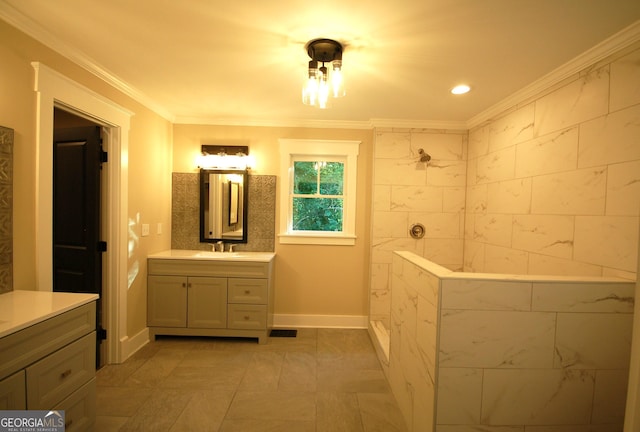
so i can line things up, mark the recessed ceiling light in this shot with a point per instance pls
(460, 89)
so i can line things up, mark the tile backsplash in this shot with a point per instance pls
(6, 209)
(185, 213)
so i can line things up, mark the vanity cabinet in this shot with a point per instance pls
(50, 365)
(210, 297)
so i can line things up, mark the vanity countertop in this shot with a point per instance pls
(180, 254)
(21, 309)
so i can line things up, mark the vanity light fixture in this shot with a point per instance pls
(323, 82)
(225, 157)
(460, 89)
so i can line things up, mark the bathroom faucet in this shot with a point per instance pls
(231, 245)
(220, 245)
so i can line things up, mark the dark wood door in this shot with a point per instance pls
(77, 246)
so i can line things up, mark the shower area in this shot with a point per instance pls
(504, 259)
(418, 206)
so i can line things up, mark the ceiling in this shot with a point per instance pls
(243, 61)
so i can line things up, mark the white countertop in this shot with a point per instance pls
(21, 309)
(180, 254)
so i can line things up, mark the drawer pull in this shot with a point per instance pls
(65, 374)
(247, 317)
(247, 292)
(68, 423)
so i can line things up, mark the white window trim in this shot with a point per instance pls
(317, 148)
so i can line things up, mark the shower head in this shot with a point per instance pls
(424, 157)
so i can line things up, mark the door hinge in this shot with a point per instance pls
(101, 333)
(102, 246)
(104, 156)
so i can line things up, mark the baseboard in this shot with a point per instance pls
(130, 345)
(320, 321)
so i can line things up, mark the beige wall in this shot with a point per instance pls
(310, 280)
(149, 163)
(553, 187)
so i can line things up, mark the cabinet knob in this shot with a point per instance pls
(247, 292)
(68, 423)
(247, 317)
(65, 374)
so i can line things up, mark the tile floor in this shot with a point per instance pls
(323, 380)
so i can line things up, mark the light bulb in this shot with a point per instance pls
(323, 88)
(310, 88)
(337, 82)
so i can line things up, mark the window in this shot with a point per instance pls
(317, 201)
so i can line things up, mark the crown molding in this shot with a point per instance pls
(32, 29)
(292, 123)
(324, 124)
(417, 124)
(613, 44)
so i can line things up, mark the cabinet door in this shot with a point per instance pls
(207, 302)
(167, 301)
(12, 392)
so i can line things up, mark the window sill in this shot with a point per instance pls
(318, 239)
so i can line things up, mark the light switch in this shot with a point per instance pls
(159, 228)
(145, 230)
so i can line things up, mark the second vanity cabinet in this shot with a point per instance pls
(192, 293)
(47, 354)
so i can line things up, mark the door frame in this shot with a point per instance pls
(54, 89)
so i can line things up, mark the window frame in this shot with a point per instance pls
(290, 151)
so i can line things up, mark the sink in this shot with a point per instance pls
(216, 256)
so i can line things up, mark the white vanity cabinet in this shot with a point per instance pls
(48, 354)
(192, 293)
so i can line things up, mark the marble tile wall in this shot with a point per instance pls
(497, 353)
(405, 192)
(553, 187)
(413, 342)
(185, 213)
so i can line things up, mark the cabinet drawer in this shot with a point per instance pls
(251, 291)
(80, 408)
(12, 392)
(31, 344)
(58, 375)
(247, 317)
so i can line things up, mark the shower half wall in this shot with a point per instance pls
(493, 352)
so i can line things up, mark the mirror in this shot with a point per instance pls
(223, 206)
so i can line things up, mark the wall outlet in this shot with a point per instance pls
(145, 230)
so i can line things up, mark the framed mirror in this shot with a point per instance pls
(223, 206)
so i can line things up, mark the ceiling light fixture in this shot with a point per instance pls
(460, 89)
(322, 82)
